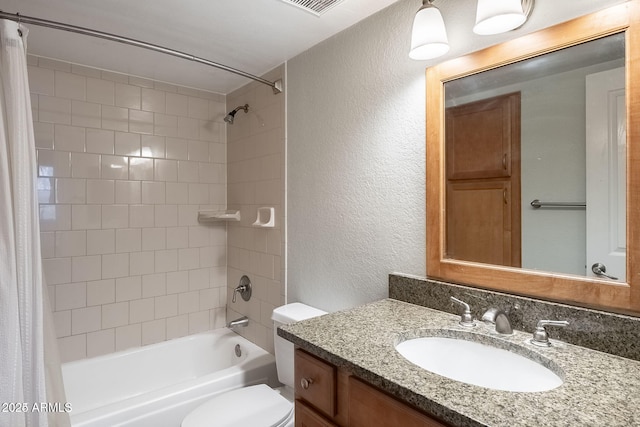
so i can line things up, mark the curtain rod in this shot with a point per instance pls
(276, 86)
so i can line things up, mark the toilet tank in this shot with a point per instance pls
(285, 315)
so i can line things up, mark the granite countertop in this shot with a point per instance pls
(599, 389)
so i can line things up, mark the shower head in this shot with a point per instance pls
(232, 114)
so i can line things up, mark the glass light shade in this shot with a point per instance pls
(498, 16)
(429, 36)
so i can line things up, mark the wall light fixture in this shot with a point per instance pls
(429, 35)
(495, 17)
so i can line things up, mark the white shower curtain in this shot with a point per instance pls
(24, 377)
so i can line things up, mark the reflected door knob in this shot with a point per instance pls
(600, 270)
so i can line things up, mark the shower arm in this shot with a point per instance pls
(276, 86)
(244, 107)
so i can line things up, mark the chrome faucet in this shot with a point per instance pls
(499, 318)
(466, 318)
(540, 335)
(242, 321)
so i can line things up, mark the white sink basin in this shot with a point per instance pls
(478, 364)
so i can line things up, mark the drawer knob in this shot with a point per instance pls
(305, 383)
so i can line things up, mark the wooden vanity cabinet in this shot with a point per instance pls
(330, 397)
(308, 417)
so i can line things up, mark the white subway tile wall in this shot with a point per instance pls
(124, 164)
(256, 178)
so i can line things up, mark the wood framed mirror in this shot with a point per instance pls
(620, 21)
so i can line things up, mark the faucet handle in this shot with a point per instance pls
(244, 289)
(540, 335)
(466, 319)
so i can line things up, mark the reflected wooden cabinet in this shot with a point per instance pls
(483, 138)
(479, 224)
(483, 181)
(330, 397)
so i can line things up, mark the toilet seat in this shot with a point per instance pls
(254, 406)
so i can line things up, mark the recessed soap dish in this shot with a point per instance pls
(266, 217)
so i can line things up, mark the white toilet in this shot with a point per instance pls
(258, 405)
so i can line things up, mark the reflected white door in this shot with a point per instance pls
(606, 137)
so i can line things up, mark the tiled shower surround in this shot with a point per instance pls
(124, 164)
(256, 177)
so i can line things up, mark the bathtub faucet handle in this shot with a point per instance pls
(243, 288)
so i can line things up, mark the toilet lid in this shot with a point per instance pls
(253, 406)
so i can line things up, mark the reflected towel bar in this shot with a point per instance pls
(538, 204)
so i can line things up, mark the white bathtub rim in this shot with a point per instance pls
(188, 390)
(81, 367)
(159, 345)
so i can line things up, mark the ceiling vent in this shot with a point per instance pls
(317, 7)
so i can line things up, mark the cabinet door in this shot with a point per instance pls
(307, 417)
(315, 382)
(371, 407)
(483, 138)
(479, 223)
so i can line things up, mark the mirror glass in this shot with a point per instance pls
(535, 169)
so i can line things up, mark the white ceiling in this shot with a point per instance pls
(254, 36)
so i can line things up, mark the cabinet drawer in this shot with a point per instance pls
(307, 417)
(315, 382)
(369, 406)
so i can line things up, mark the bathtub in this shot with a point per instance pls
(158, 385)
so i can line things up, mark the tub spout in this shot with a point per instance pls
(242, 321)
